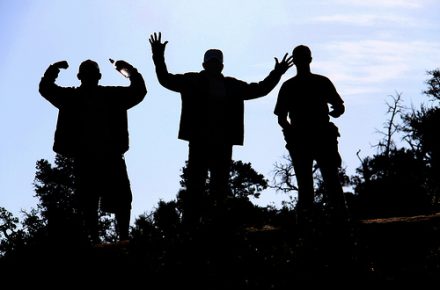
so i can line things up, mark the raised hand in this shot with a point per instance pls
(157, 47)
(122, 64)
(54, 69)
(284, 65)
(123, 67)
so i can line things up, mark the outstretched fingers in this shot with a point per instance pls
(288, 60)
(156, 38)
(153, 38)
(285, 64)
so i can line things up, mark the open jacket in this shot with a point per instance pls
(194, 90)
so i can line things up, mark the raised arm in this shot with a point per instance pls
(166, 79)
(256, 90)
(48, 89)
(137, 90)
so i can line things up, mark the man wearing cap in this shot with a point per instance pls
(303, 114)
(212, 120)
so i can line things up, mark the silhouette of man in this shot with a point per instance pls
(92, 128)
(212, 120)
(303, 113)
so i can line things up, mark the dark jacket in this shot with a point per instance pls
(92, 120)
(194, 91)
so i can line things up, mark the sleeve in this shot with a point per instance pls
(281, 104)
(135, 93)
(260, 89)
(174, 82)
(334, 99)
(55, 94)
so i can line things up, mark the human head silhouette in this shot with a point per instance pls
(301, 55)
(88, 73)
(213, 61)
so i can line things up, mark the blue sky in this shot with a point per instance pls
(369, 49)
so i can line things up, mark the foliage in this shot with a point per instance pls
(391, 126)
(433, 83)
(56, 219)
(421, 128)
(245, 182)
(400, 181)
(284, 180)
(392, 185)
(55, 188)
(10, 235)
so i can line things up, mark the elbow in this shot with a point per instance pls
(163, 80)
(341, 110)
(282, 121)
(337, 112)
(140, 96)
(144, 91)
(42, 90)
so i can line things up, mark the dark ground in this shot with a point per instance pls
(395, 249)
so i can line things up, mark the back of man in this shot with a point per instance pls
(303, 113)
(308, 100)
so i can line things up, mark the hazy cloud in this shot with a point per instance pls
(375, 62)
(384, 3)
(367, 19)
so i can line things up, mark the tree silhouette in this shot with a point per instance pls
(55, 188)
(11, 238)
(55, 220)
(395, 185)
(244, 182)
(391, 126)
(433, 83)
(165, 221)
(284, 181)
(162, 244)
(421, 128)
(395, 181)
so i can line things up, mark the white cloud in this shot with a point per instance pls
(374, 63)
(384, 3)
(367, 19)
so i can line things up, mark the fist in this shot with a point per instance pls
(122, 64)
(61, 64)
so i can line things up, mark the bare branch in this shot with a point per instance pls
(284, 176)
(391, 126)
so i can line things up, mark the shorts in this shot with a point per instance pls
(319, 145)
(103, 182)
